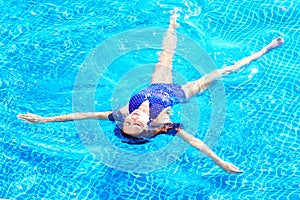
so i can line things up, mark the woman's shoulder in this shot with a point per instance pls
(120, 114)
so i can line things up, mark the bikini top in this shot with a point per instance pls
(160, 96)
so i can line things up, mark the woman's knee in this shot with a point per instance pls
(190, 89)
(166, 58)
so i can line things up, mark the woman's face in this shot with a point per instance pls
(136, 123)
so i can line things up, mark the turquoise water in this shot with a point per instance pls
(43, 46)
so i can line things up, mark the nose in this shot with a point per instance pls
(134, 117)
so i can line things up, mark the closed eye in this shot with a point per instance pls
(127, 123)
(137, 124)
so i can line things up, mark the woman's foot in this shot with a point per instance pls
(275, 43)
(173, 24)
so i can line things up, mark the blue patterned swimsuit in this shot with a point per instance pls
(160, 96)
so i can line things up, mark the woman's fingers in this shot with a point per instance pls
(25, 116)
(233, 169)
(31, 118)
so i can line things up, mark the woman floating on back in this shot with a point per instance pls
(146, 114)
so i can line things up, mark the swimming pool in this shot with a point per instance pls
(43, 46)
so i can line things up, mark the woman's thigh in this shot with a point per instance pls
(162, 73)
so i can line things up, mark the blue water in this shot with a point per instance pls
(43, 46)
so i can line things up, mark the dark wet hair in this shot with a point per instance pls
(119, 118)
(128, 138)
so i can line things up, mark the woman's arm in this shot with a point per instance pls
(33, 118)
(206, 150)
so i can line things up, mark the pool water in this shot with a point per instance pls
(43, 46)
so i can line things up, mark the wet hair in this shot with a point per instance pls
(170, 128)
(119, 118)
(128, 138)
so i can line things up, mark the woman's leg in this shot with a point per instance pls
(198, 86)
(163, 69)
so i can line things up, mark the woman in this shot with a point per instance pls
(146, 114)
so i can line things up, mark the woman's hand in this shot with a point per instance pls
(230, 168)
(195, 142)
(31, 118)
